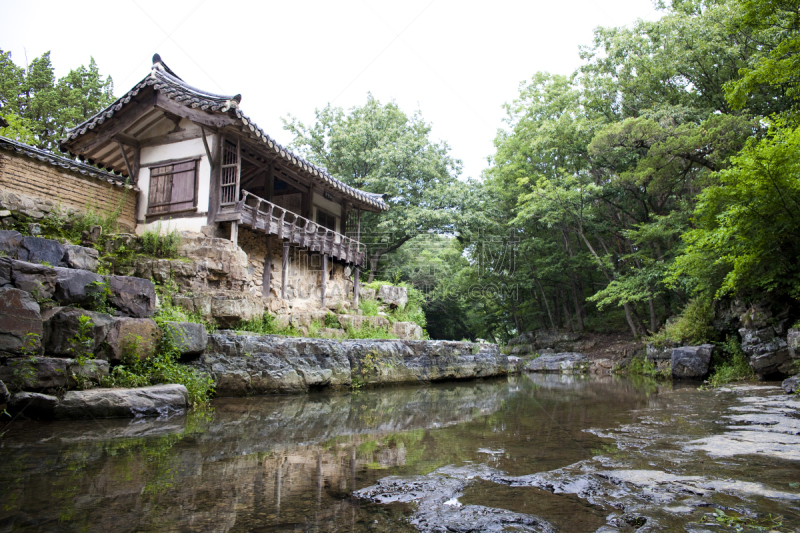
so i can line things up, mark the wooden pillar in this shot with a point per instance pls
(324, 281)
(266, 279)
(234, 232)
(270, 182)
(356, 286)
(284, 269)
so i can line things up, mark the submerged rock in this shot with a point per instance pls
(691, 362)
(32, 405)
(565, 363)
(438, 508)
(157, 400)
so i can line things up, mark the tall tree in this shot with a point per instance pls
(45, 106)
(379, 148)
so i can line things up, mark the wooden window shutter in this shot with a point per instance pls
(173, 188)
(231, 170)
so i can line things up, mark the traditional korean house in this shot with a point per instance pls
(201, 165)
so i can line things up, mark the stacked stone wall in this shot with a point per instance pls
(36, 186)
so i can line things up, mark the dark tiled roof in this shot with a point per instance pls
(67, 164)
(164, 80)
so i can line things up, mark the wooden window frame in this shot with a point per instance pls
(327, 213)
(173, 162)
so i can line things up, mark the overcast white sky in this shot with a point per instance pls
(456, 61)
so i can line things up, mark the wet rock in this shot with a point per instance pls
(134, 297)
(10, 242)
(77, 286)
(39, 280)
(565, 363)
(4, 394)
(393, 296)
(438, 508)
(81, 257)
(659, 353)
(548, 342)
(130, 338)
(40, 250)
(61, 327)
(793, 341)
(21, 324)
(791, 385)
(188, 337)
(602, 366)
(691, 362)
(32, 405)
(157, 400)
(407, 330)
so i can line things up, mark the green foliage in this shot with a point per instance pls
(729, 364)
(379, 148)
(30, 344)
(46, 106)
(100, 296)
(692, 326)
(163, 367)
(168, 312)
(161, 245)
(331, 321)
(641, 366)
(368, 307)
(267, 325)
(367, 331)
(19, 129)
(82, 343)
(739, 522)
(746, 234)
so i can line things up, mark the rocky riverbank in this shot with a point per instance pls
(243, 365)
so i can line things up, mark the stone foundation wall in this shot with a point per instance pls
(34, 188)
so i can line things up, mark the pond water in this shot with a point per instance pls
(530, 453)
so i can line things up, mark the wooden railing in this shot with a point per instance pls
(264, 216)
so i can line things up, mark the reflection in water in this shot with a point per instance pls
(292, 463)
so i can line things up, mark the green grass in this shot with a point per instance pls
(692, 327)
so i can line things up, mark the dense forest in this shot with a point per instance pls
(650, 191)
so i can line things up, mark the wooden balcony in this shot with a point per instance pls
(265, 217)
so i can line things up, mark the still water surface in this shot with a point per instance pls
(606, 448)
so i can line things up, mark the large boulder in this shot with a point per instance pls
(135, 297)
(691, 362)
(77, 286)
(157, 400)
(130, 338)
(61, 327)
(393, 296)
(189, 338)
(4, 394)
(39, 373)
(81, 257)
(41, 250)
(10, 241)
(229, 308)
(32, 405)
(791, 385)
(565, 363)
(20, 322)
(407, 330)
(774, 359)
(39, 280)
(366, 293)
(793, 340)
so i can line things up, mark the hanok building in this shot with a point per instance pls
(204, 166)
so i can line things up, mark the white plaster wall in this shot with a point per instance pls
(331, 207)
(180, 150)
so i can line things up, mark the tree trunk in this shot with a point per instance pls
(653, 319)
(565, 310)
(546, 305)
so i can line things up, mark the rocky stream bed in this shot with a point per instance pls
(521, 453)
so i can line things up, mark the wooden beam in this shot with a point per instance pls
(125, 157)
(126, 139)
(270, 182)
(266, 278)
(284, 269)
(324, 279)
(169, 138)
(213, 194)
(205, 145)
(127, 120)
(234, 232)
(356, 286)
(201, 117)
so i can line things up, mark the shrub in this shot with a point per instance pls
(368, 331)
(641, 366)
(158, 245)
(368, 307)
(693, 326)
(729, 364)
(331, 321)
